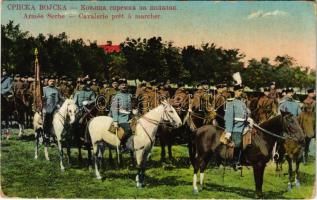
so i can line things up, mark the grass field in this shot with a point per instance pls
(22, 176)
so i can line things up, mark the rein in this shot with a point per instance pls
(270, 133)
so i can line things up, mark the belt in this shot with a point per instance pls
(124, 111)
(240, 119)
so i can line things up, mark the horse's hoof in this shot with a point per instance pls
(35, 157)
(289, 187)
(62, 170)
(139, 185)
(99, 177)
(195, 191)
(297, 183)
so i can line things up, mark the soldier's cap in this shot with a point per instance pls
(114, 80)
(221, 85)
(122, 81)
(283, 90)
(153, 82)
(105, 82)
(311, 90)
(17, 76)
(237, 87)
(180, 84)
(161, 84)
(204, 82)
(26, 77)
(266, 89)
(289, 89)
(94, 80)
(272, 83)
(52, 77)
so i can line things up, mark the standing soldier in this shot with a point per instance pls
(51, 101)
(120, 111)
(307, 119)
(288, 104)
(95, 87)
(266, 106)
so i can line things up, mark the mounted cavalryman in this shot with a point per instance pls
(236, 120)
(266, 106)
(52, 100)
(121, 111)
(288, 104)
(84, 98)
(6, 84)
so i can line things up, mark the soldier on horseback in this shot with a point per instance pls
(120, 111)
(6, 83)
(82, 98)
(51, 101)
(288, 104)
(236, 121)
(266, 106)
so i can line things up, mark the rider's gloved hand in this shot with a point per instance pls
(227, 135)
(85, 103)
(115, 124)
(250, 121)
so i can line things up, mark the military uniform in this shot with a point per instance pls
(290, 105)
(307, 118)
(19, 89)
(95, 88)
(266, 108)
(6, 84)
(236, 116)
(120, 111)
(52, 98)
(84, 95)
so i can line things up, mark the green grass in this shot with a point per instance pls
(22, 176)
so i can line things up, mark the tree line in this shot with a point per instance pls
(145, 59)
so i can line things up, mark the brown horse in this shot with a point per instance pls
(207, 145)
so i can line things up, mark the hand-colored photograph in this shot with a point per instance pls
(158, 99)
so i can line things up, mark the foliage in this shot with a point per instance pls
(146, 59)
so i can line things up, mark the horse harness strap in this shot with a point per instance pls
(151, 140)
(270, 133)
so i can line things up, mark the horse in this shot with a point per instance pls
(140, 143)
(13, 109)
(62, 119)
(207, 145)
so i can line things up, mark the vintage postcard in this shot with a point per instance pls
(158, 99)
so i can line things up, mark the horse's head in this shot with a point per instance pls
(71, 110)
(292, 127)
(171, 115)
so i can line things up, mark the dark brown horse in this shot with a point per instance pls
(207, 146)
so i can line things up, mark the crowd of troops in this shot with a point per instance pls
(228, 106)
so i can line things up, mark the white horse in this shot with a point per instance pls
(140, 143)
(62, 118)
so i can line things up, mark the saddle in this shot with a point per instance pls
(121, 132)
(246, 139)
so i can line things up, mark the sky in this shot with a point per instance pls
(258, 29)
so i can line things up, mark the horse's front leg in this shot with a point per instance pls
(258, 171)
(290, 174)
(140, 157)
(60, 149)
(37, 140)
(297, 183)
(97, 160)
(68, 153)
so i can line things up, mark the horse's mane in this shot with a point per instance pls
(269, 122)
